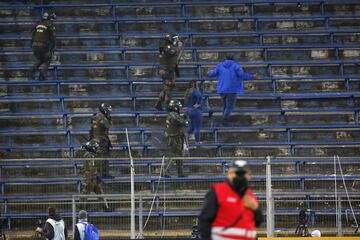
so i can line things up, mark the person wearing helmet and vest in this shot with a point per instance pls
(175, 133)
(43, 45)
(170, 48)
(99, 132)
(92, 181)
(55, 228)
(231, 210)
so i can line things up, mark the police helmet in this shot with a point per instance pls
(106, 109)
(91, 146)
(47, 16)
(172, 37)
(175, 106)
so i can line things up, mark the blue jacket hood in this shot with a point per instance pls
(228, 63)
(230, 76)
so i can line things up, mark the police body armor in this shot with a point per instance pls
(175, 124)
(99, 132)
(43, 34)
(168, 55)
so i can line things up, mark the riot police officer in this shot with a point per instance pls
(99, 133)
(170, 48)
(43, 45)
(92, 181)
(231, 209)
(175, 128)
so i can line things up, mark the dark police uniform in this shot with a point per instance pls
(175, 127)
(91, 178)
(169, 54)
(92, 181)
(99, 132)
(43, 44)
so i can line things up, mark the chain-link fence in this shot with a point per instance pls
(161, 215)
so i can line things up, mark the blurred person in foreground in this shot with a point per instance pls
(231, 210)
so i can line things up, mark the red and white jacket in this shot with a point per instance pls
(230, 208)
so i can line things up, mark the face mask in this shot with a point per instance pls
(240, 184)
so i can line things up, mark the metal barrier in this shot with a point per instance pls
(174, 214)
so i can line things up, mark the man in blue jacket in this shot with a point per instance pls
(231, 78)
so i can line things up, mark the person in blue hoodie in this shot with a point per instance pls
(193, 102)
(231, 78)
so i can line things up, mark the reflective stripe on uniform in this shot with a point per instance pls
(218, 233)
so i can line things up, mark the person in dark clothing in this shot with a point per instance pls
(99, 133)
(170, 49)
(231, 78)
(193, 102)
(175, 132)
(92, 181)
(55, 228)
(230, 209)
(43, 45)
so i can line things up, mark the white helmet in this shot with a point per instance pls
(316, 233)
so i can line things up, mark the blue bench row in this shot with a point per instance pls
(190, 64)
(340, 68)
(181, 80)
(276, 96)
(70, 135)
(77, 164)
(200, 48)
(218, 147)
(267, 85)
(136, 114)
(163, 4)
(326, 18)
(205, 129)
(153, 181)
(153, 161)
(190, 34)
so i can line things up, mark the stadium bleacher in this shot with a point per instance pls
(303, 110)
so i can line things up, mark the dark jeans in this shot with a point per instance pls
(229, 101)
(195, 123)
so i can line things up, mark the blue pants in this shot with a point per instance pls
(229, 101)
(195, 123)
